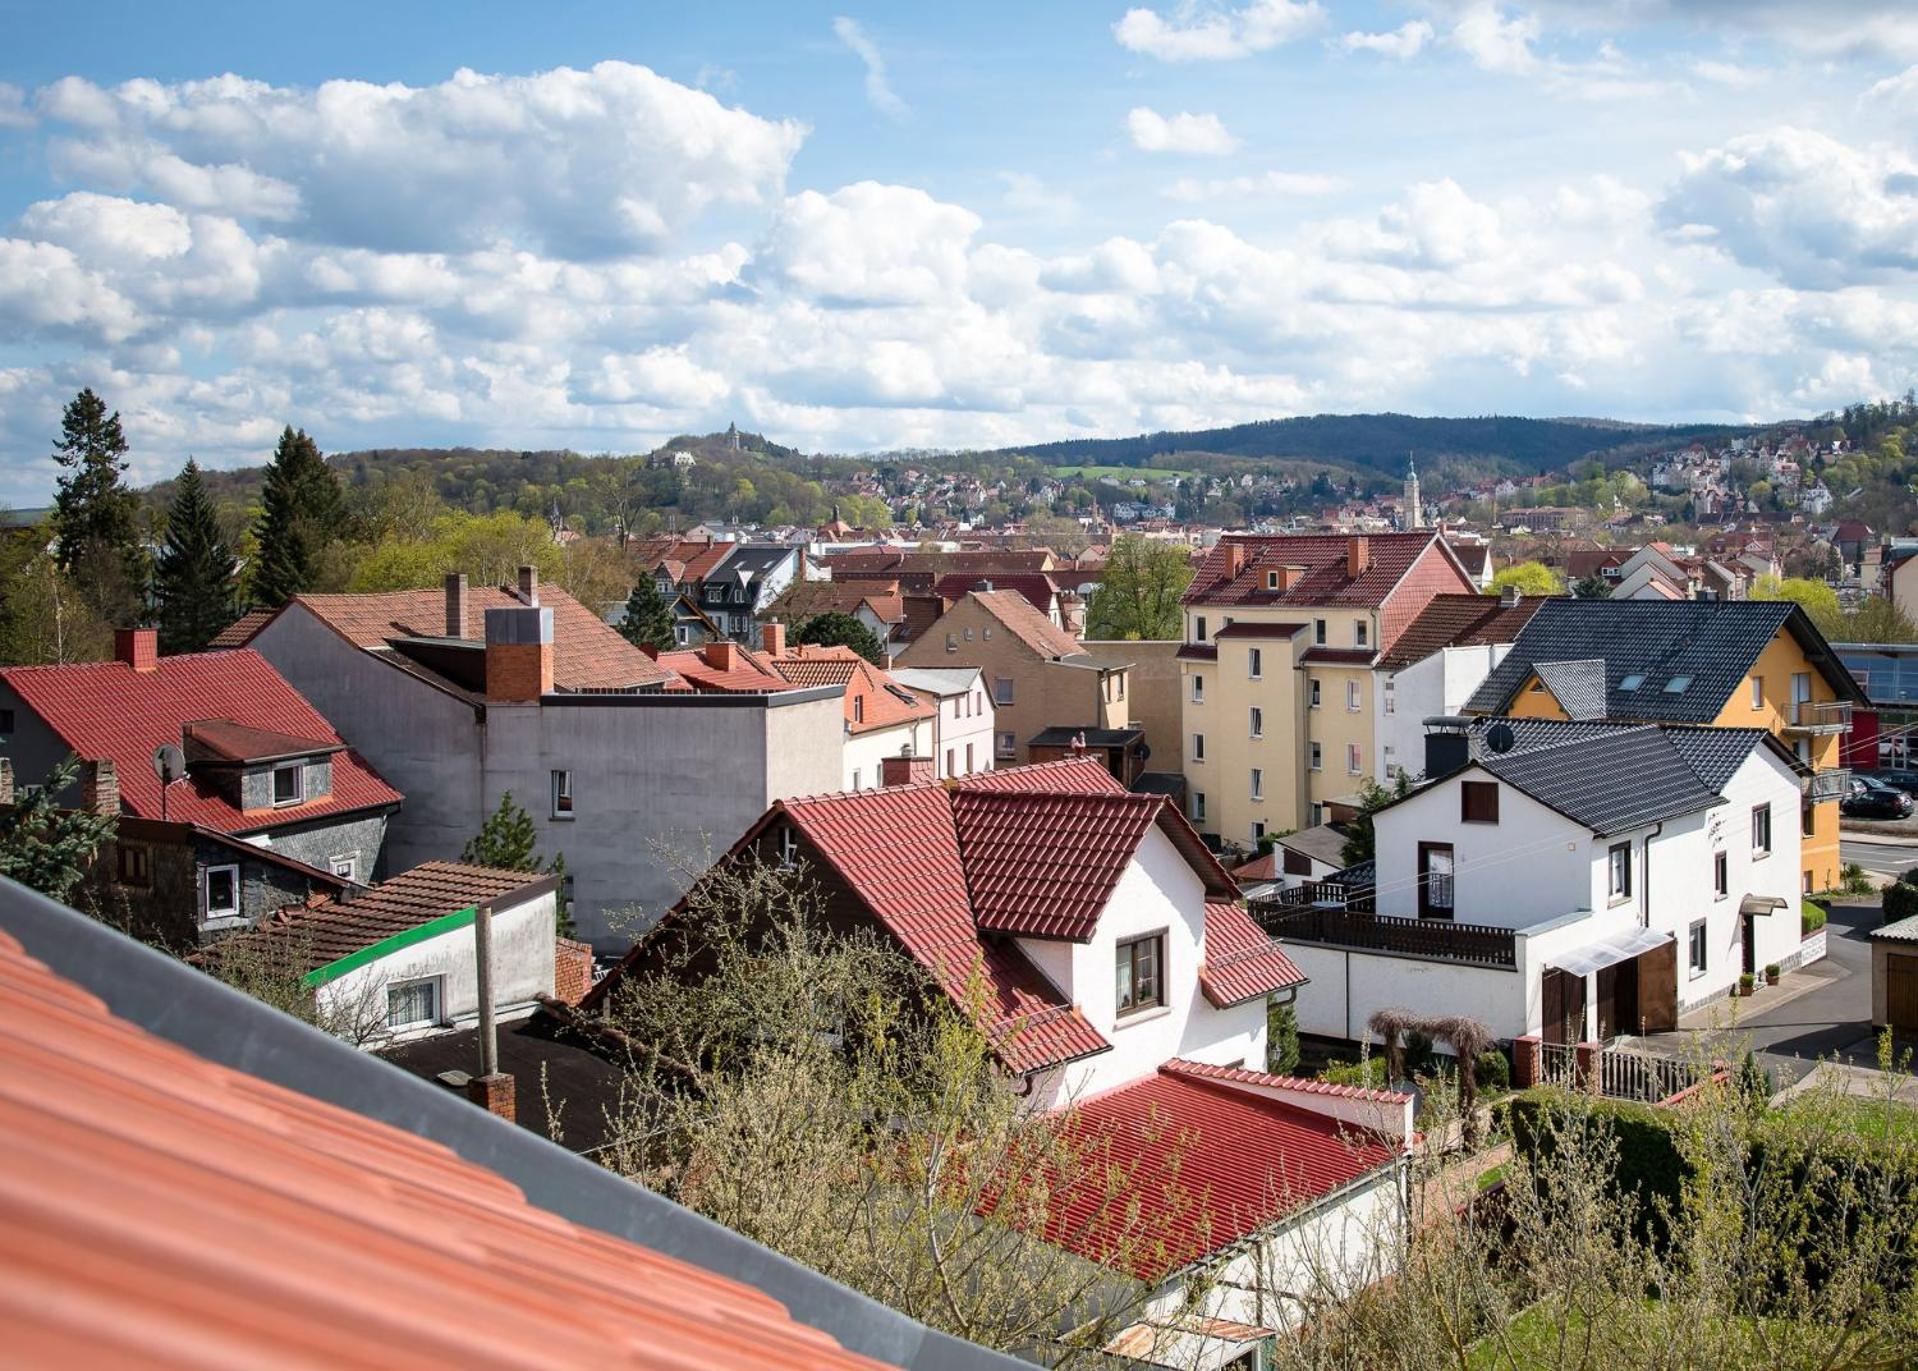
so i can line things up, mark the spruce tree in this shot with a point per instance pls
(649, 619)
(835, 628)
(95, 516)
(300, 511)
(193, 576)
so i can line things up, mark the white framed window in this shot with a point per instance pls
(413, 1004)
(1198, 628)
(1721, 876)
(1354, 762)
(289, 783)
(1314, 691)
(347, 868)
(1698, 950)
(1198, 747)
(1258, 831)
(1258, 784)
(1255, 663)
(952, 642)
(1002, 690)
(1271, 580)
(1198, 690)
(1198, 806)
(1758, 692)
(858, 778)
(1258, 722)
(1317, 756)
(859, 709)
(788, 847)
(1761, 830)
(562, 794)
(1352, 697)
(1008, 743)
(222, 892)
(1360, 630)
(1618, 872)
(1318, 632)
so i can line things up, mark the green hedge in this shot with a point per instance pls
(1650, 1166)
(1901, 900)
(1811, 917)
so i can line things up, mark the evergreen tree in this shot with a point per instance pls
(45, 847)
(508, 841)
(837, 629)
(95, 516)
(193, 576)
(649, 619)
(300, 511)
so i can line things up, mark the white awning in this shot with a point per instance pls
(1760, 904)
(1583, 961)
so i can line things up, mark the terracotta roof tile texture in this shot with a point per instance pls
(1015, 612)
(1459, 621)
(1242, 962)
(1079, 775)
(240, 632)
(1210, 1164)
(1037, 589)
(1323, 556)
(1044, 865)
(109, 710)
(1179, 1066)
(339, 928)
(751, 672)
(159, 1210)
(873, 699)
(588, 653)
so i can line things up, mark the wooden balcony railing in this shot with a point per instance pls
(1292, 916)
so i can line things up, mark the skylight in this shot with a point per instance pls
(1677, 684)
(1632, 682)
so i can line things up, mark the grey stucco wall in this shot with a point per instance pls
(32, 747)
(318, 844)
(426, 743)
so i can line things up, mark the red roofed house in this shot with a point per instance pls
(1282, 637)
(270, 806)
(1125, 981)
(889, 729)
(464, 695)
(1042, 679)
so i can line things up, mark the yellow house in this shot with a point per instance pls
(1281, 637)
(1732, 664)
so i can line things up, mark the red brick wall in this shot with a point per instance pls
(572, 970)
(1432, 574)
(519, 671)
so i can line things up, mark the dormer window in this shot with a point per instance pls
(1271, 580)
(289, 783)
(788, 848)
(1140, 979)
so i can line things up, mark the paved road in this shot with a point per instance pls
(1823, 1011)
(1890, 859)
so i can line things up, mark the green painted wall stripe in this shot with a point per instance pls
(352, 961)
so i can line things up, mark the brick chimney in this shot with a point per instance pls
(721, 654)
(1358, 555)
(6, 780)
(494, 1094)
(456, 604)
(772, 637)
(904, 770)
(519, 654)
(139, 648)
(529, 585)
(100, 787)
(1234, 560)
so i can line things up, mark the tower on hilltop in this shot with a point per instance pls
(1414, 506)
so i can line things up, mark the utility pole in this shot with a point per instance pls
(488, 1030)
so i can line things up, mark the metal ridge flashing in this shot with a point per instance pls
(689, 699)
(173, 1001)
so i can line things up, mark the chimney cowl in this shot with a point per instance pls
(1510, 595)
(529, 585)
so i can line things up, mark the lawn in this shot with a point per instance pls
(1120, 473)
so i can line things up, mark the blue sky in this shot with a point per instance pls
(853, 228)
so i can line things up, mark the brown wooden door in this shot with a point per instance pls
(1564, 996)
(1658, 988)
(1901, 992)
(1617, 1000)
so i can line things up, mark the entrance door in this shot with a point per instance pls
(1617, 1000)
(1564, 996)
(1747, 948)
(1901, 993)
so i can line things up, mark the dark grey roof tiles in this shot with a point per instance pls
(1611, 781)
(1715, 754)
(1579, 687)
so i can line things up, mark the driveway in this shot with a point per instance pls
(1823, 1011)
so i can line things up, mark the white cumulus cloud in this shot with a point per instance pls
(1203, 33)
(1407, 40)
(1196, 135)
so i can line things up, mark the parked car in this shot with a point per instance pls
(1870, 799)
(1897, 779)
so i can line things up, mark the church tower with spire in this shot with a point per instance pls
(1414, 506)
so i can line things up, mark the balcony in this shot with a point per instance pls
(1814, 717)
(1821, 786)
(1292, 916)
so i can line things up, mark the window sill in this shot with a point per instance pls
(1721, 895)
(220, 923)
(1618, 900)
(1759, 856)
(564, 818)
(1134, 1017)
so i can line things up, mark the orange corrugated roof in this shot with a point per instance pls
(160, 1210)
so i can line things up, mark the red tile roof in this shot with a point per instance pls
(1339, 656)
(1015, 612)
(1241, 961)
(109, 710)
(873, 699)
(588, 653)
(1043, 865)
(1078, 775)
(750, 671)
(1264, 867)
(1037, 589)
(1209, 1164)
(224, 740)
(1252, 630)
(240, 632)
(1178, 1066)
(1459, 621)
(340, 927)
(1323, 557)
(164, 1211)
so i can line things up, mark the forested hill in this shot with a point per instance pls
(1381, 441)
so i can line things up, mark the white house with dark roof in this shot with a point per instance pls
(1571, 881)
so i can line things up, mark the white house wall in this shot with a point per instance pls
(1439, 684)
(865, 751)
(523, 951)
(1527, 866)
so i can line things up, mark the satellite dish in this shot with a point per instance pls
(1500, 738)
(169, 763)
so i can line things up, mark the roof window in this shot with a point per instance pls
(1632, 682)
(1677, 684)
